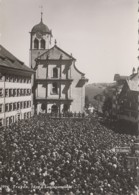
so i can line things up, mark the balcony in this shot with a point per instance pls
(54, 99)
(54, 79)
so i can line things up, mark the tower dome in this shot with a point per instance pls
(40, 40)
(41, 27)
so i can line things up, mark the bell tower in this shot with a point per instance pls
(40, 41)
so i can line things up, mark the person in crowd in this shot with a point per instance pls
(49, 156)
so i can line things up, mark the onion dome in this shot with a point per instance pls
(41, 28)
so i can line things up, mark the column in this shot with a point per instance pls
(47, 72)
(46, 89)
(60, 71)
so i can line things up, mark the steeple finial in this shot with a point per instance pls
(41, 16)
(41, 7)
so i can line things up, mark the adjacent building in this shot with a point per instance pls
(15, 89)
(117, 88)
(129, 99)
(58, 86)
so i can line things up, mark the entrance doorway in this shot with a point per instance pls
(54, 109)
(43, 106)
(65, 108)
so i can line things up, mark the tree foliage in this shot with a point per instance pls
(87, 102)
(107, 106)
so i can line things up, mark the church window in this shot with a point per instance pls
(54, 88)
(42, 44)
(36, 44)
(55, 73)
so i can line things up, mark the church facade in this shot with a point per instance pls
(58, 86)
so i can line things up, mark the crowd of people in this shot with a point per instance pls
(49, 156)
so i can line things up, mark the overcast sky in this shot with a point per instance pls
(101, 34)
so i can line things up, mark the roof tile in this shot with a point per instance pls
(9, 60)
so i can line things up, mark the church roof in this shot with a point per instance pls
(55, 53)
(41, 27)
(8, 60)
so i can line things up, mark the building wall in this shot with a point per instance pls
(46, 72)
(45, 69)
(70, 82)
(33, 55)
(41, 71)
(15, 99)
(128, 105)
(41, 90)
(77, 91)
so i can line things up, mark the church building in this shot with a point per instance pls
(58, 86)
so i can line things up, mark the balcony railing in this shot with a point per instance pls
(54, 79)
(54, 98)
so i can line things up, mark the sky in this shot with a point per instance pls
(102, 35)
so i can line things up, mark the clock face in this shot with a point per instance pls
(39, 35)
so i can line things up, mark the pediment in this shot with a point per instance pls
(55, 53)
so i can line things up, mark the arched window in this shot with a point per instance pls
(55, 88)
(36, 44)
(55, 72)
(42, 44)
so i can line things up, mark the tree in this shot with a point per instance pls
(107, 106)
(87, 102)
